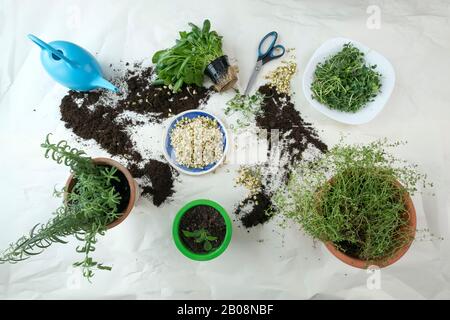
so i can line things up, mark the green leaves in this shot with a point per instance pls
(103, 267)
(190, 234)
(61, 152)
(89, 208)
(207, 246)
(186, 61)
(247, 106)
(206, 27)
(362, 209)
(201, 236)
(344, 82)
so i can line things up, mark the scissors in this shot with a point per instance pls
(271, 53)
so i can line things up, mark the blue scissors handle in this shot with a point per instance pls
(273, 51)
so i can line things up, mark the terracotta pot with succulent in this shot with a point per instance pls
(196, 53)
(99, 194)
(355, 199)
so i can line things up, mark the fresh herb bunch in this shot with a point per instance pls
(349, 196)
(186, 62)
(88, 209)
(246, 105)
(201, 236)
(344, 82)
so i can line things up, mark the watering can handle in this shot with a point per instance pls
(49, 48)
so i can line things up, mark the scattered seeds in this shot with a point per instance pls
(281, 77)
(250, 178)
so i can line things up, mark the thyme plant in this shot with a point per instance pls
(350, 196)
(87, 210)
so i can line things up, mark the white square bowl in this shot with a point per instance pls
(371, 109)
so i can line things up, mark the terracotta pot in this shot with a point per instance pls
(134, 189)
(410, 214)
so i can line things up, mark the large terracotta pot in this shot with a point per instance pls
(134, 190)
(410, 214)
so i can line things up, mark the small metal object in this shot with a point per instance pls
(271, 53)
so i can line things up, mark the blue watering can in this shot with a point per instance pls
(72, 66)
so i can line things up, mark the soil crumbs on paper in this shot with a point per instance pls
(296, 136)
(108, 118)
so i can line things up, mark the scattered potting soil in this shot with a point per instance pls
(98, 115)
(255, 209)
(161, 178)
(145, 98)
(98, 124)
(278, 112)
(202, 217)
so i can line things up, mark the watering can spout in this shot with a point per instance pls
(103, 83)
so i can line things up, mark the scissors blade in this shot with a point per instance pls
(253, 76)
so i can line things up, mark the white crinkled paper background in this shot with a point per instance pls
(413, 35)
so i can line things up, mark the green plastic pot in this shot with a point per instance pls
(179, 242)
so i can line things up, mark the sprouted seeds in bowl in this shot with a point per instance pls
(197, 142)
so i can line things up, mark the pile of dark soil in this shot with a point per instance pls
(206, 218)
(255, 210)
(160, 101)
(98, 124)
(278, 112)
(160, 176)
(94, 115)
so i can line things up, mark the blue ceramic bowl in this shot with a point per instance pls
(169, 152)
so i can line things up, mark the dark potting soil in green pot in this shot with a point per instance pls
(202, 218)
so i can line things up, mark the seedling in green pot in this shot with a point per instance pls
(201, 236)
(202, 230)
